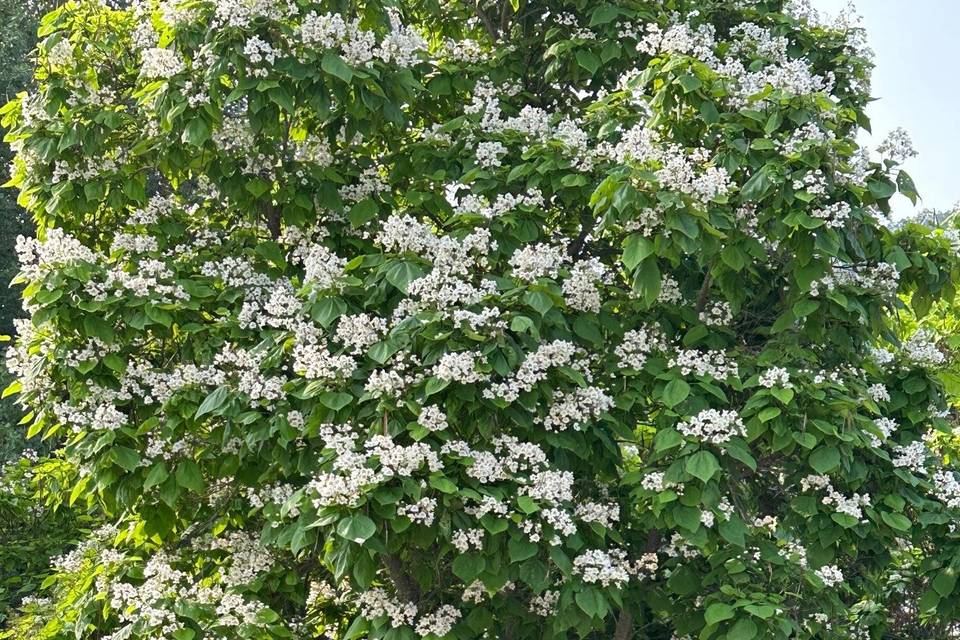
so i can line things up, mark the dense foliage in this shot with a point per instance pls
(516, 319)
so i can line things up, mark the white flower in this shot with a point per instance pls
(161, 63)
(830, 575)
(711, 425)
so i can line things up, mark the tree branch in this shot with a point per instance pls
(407, 588)
(624, 629)
(487, 22)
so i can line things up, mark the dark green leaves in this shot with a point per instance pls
(702, 465)
(335, 66)
(675, 392)
(213, 401)
(356, 528)
(825, 459)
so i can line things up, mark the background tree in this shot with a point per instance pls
(527, 319)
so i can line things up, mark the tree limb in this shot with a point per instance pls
(624, 629)
(407, 588)
(487, 22)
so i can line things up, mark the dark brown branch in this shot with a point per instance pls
(407, 588)
(505, 15)
(273, 220)
(487, 22)
(704, 292)
(587, 225)
(624, 630)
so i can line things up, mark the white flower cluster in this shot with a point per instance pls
(830, 575)
(711, 425)
(883, 278)
(576, 409)
(717, 314)
(580, 290)
(887, 428)
(57, 249)
(775, 377)
(360, 331)
(878, 392)
(835, 215)
(912, 456)
(753, 44)
(401, 47)
(637, 345)
(466, 539)
(612, 568)
(544, 604)
(438, 623)
(533, 370)
(423, 511)
(712, 363)
(489, 153)
(604, 513)
(481, 206)
(161, 63)
(459, 366)
(359, 466)
(690, 173)
(852, 506)
(946, 488)
(922, 349)
(432, 418)
(537, 261)
(897, 146)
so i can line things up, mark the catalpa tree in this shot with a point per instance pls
(505, 319)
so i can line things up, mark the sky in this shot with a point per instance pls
(916, 44)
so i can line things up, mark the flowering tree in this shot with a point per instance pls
(508, 319)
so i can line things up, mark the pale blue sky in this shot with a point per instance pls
(917, 44)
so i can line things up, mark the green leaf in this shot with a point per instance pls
(667, 439)
(689, 82)
(882, 189)
(896, 521)
(759, 183)
(590, 601)
(401, 273)
(363, 211)
(442, 484)
(435, 385)
(335, 400)
(213, 401)
(197, 132)
(718, 612)
(945, 582)
(702, 465)
(805, 307)
(588, 60)
(158, 473)
(907, 187)
(636, 249)
(98, 327)
(744, 629)
(603, 14)
(12, 388)
(521, 549)
(335, 66)
(675, 392)
(356, 528)
(188, 475)
(538, 300)
(326, 310)
(125, 457)
(825, 458)
(467, 566)
(647, 280)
